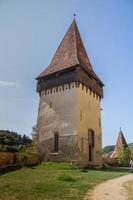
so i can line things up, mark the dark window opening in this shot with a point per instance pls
(81, 144)
(81, 116)
(91, 143)
(86, 89)
(50, 104)
(91, 137)
(90, 153)
(99, 122)
(56, 142)
(82, 86)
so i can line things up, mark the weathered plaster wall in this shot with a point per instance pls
(57, 113)
(89, 117)
(71, 112)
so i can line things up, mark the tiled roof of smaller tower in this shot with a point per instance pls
(71, 52)
(121, 142)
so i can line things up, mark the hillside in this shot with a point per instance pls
(130, 145)
(108, 149)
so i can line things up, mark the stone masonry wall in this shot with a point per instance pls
(57, 113)
(71, 111)
(89, 108)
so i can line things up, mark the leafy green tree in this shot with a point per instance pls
(124, 156)
(22, 154)
(10, 141)
(26, 140)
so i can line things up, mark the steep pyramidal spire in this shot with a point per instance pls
(71, 52)
(70, 64)
(121, 142)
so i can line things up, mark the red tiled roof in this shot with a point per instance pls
(121, 142)
(70, 52)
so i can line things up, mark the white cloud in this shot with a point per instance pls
(8, 84)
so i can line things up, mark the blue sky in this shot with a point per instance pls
(30, 32)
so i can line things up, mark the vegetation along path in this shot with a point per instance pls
(113, 189)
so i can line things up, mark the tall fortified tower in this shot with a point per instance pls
(69, 118)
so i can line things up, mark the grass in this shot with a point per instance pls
(51, 181)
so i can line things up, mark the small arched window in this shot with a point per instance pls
(91, 143)
(56, 142)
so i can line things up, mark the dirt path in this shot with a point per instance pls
(110, 190)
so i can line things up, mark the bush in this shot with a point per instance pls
(84, 170)
(124, 156)
(67, 178)
(28, 155)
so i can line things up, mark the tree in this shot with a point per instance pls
(26, 140)
(10, 141)
(34, 134)
(124, 156)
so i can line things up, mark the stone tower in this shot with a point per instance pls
(69, 116)
(120, 143)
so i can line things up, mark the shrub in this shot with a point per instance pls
(67, 178)
(28, 155)
(84, 170)
(124, 156)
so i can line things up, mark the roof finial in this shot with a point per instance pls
(74, 15)
(120, 128)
